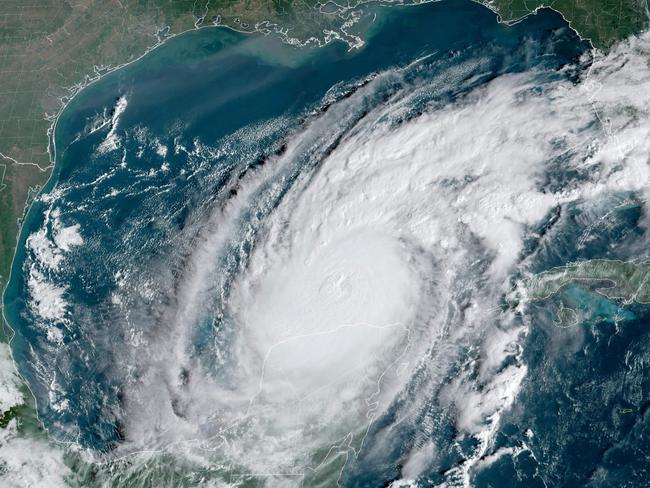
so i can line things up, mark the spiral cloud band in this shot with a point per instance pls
(354, 273)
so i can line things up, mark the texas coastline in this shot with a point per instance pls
(268, 51)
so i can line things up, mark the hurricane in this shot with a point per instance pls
(323, 292)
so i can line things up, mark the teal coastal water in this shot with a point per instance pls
(149, 161)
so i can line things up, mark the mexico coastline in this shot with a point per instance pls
(190, 89)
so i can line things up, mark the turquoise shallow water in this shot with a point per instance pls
(204, 86)
(151, 155)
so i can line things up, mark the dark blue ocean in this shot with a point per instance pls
(151, 152)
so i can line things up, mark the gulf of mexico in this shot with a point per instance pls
(205, 86)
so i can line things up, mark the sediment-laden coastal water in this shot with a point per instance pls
(290, 265)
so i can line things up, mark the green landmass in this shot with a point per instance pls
(50, 49)
(6, 417)
(567, 317)
(616, 280)
(622, 283)
(602, 22)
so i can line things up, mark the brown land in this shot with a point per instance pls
(49, 49)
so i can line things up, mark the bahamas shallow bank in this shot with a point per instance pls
(256, 265)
